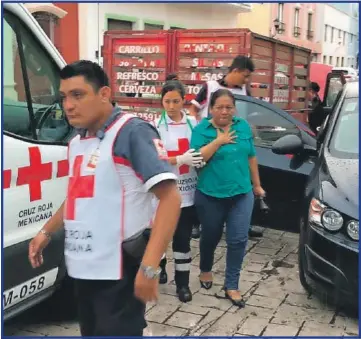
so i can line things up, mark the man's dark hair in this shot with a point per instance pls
(314, 86)
(242, 63)
(91, 71)
(171, 76)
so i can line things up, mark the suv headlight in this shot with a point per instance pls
(352, 230)
(323, 216)
(332, 220)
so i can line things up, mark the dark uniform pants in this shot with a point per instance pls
(109, 307)
(181, 246)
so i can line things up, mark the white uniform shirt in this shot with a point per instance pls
(203, 98)
(108, 197)
(176, 137)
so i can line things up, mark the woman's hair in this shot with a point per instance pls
(173, 85)
(220, 93)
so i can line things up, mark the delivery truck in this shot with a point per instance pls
(139, 61)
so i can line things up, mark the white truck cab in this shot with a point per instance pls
(348, 71)
(35, 168)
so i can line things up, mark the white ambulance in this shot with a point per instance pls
(35, 169)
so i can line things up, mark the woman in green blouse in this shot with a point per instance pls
(225, 194)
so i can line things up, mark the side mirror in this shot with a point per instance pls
(288, 144)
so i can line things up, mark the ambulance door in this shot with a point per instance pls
(35, 164)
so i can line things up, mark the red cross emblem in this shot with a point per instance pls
(78, 187)
(34, 174)
(6, 178)
(63, 168)
(183, 146)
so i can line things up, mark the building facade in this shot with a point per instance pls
(289, 22)
(97, 18)
(339, 33)
(295, 23)
(77, 29)
(259, 20)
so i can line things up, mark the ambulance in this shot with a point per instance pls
(35, 167)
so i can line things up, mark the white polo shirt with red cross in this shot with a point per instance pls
(176, 138)
(203, 98)
(109, 198)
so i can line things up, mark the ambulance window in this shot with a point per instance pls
(16, 115)
(31, 83)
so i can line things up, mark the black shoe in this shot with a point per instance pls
(196, 232)
(236, 302)
(255, 234)
(163, 277)
(184, 294)
(206, 284)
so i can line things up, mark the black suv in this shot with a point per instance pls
(329, 223)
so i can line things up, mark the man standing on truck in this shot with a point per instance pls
(237, 81)
(116, 167)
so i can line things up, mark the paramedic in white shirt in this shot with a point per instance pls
(116, 169)
(196, 224)
(237, 81)
(175, 129)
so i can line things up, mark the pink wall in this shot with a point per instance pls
(318, 73)
(288, 19)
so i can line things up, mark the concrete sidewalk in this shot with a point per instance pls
(276, 302)
(276, 305)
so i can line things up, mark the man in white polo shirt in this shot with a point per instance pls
(235, 80)
(116, 168)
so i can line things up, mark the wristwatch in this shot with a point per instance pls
(46, 233)
(149, 272)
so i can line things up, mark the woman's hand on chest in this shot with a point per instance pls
(226, 137)
(234, 150)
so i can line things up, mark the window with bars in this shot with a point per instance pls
(280, 11)
(309, 27)
(296, 26)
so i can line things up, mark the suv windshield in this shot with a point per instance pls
(344, 140)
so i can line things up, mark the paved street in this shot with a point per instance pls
(277, 305)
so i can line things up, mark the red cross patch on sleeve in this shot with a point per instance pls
(160, 149)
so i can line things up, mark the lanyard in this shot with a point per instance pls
(163, 118)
